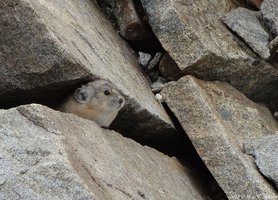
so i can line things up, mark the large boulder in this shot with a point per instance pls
(193, 34)
(46, 154)
(219, 120)
(269, 10)
(265, 151)
(48, 48)
(246, 23)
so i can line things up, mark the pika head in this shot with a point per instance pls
(99, 101)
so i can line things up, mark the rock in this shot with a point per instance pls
(247, 25)
(144, 59)
(51, 155)
(34, 163)
(193, 34)
(219, 120)
(265, 151)
(49, 48)
(129, 22)
(159, 98)
(158, 85)
(275, 115)
(154, 61)
(269, 9)
(255, 3)
(152, 67)
(169, 69)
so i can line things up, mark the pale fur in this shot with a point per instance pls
(100, 107)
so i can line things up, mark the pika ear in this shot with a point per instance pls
(82, 95)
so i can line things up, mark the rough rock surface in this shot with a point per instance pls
(219, 120)
(247, 25)
(49, 46)
(154, 61)
(265, 151)
(194, 35)
(33, 162)
(51, 155)
(273, 46)
(144, 59)
(269, 9)
(275, 114)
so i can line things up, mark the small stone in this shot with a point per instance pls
(247, 25)
(158, 85)
(269, 9)
(144, 59)
(275, 115)
(159, 98)
(154, 62)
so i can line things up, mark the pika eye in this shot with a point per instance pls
(106, 92)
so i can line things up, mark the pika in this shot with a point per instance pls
(98, 100)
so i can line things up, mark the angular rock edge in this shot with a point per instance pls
(209, 50)
(265, 152)
(53, 46)
(217, 142)
(47, 154)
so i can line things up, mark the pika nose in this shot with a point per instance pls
(121, 100)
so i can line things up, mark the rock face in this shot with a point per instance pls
(265, 151)
(34, 163)
(247, 25)
(48, 47)
(219, 120)
(269, 10)
(51, 155)
(193, 34)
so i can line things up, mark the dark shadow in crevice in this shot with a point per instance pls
(191, 159)
(49, 95)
